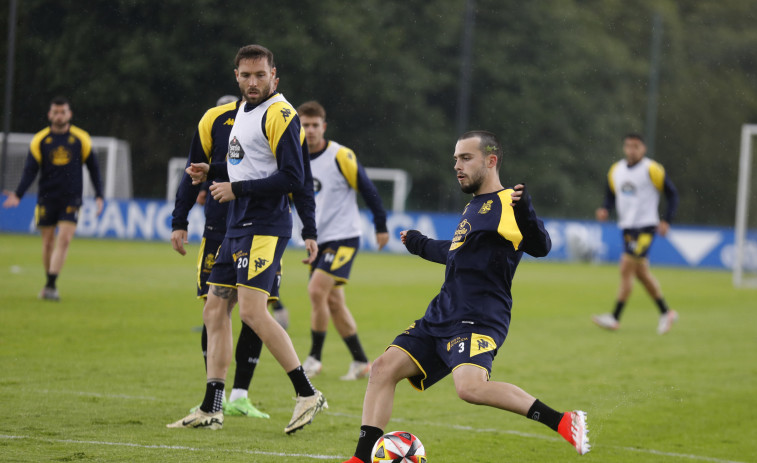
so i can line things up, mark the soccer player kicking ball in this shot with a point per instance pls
(265, 164)
(467, 322)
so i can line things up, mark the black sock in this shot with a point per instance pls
(662, 305)
(301, 383)
(356, 349)
(618, 309)
(213, 400)
(543, 414)
(204, 344)
(316, 347)
(277, 305)
(368, 437)
(248, 350)
(51, 277)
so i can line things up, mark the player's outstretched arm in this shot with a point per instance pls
(536, 240)
(421, 245)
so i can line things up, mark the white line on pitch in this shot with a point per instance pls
(550, 438)
(177, 447)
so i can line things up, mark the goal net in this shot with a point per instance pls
(113, 155)
(745, 246)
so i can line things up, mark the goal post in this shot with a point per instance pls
(743, 258)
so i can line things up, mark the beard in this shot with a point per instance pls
(265, 92)
(475, 182)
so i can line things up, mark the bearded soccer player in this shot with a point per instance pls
(265, 164)
(466, 324)
(58, 153)
(633, 188)
(337, 176)
(209, 143)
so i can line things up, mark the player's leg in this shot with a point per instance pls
(627, 268)
(66, 232)
(48, 244)
(473, 386)
(247, 355)
(319, 287)
(389, 369)
(667, 316)
(346, 326)
(280, 313)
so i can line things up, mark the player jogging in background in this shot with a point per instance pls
(634, 185)
(266, 160)
(210, 143)
(58, 154)
(337, 177)
(466, 324)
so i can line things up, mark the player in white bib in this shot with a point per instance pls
(633, 189)
(337, 178)
(266, 162)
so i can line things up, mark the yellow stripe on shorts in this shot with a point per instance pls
(262, 252)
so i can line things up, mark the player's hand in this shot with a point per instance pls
(100, 206)
(403, 236)
(221, 192)
(517, 194)
(202, 196)
(178, 240)
(11, 201)
(198, 172)
(663, 228)
(312, 248)
(602, 214)
(381, 239)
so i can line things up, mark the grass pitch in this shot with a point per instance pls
(97, 376)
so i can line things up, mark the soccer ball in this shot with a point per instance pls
(399, 447)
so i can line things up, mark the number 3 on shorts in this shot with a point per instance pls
(462, 347)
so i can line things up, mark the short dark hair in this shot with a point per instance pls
(489, 143)
(60, 101)
(633, 136)
(312, 109)
(254, 52)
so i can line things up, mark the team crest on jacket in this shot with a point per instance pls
(486, 207)
(460, 234)
(236, 153)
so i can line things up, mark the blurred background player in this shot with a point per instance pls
(58, 153)
(266, 160)
(466, 324)
(337, 176)
(633, 188)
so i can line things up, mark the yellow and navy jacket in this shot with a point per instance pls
(261, 206)
(59, 159)
(634, 192)
(210, 143)
(480, 262)
(337, 177)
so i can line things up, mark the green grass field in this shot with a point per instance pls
(97, 376)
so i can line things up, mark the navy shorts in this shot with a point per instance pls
(638, 241)
(51, 211)
(335, 258)
(251, 262)
(439, 356)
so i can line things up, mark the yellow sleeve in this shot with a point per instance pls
(205, 127)
(86, 142)
(278, 117)
(657, 174)
(508, 227)
(34, 146)
(610, 181)
(347, 161)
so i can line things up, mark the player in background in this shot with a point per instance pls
(209, 143)
(58, 154)
(633, 188)
(465, 325)
(266, 160)
(337, 177)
